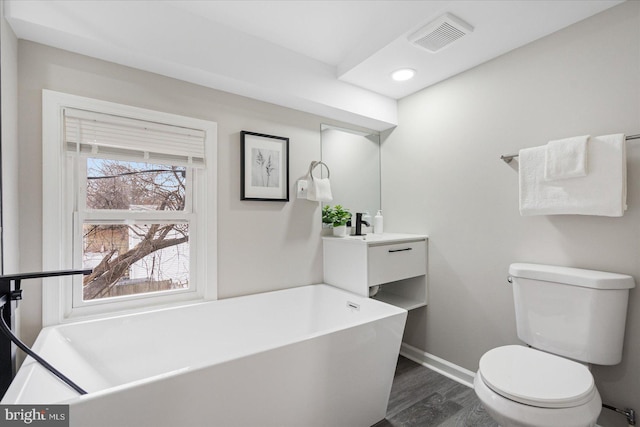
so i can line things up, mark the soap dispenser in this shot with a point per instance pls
(377, 223)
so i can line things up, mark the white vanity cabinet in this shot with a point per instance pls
(397, 263)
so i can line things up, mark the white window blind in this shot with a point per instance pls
(105, 135)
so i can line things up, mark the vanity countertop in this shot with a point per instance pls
(383, 238)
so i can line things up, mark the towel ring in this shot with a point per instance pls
(313, 165)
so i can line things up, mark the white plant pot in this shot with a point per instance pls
(340, 231)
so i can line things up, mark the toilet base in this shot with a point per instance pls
(508, 413)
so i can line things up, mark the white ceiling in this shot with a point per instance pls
(332, 58)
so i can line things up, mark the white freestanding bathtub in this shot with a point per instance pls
(308, 356)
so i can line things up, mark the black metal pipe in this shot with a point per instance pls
(43, 274)
(627, 412)
(7, 351)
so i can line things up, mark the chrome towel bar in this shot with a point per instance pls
(508, 157)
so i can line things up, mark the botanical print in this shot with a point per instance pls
(266, 168)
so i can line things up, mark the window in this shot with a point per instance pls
(151, 252)
(133, 198)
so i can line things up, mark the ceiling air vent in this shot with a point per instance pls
(440, 33)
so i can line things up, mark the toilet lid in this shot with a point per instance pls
(536, 378)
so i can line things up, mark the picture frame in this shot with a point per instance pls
(264, 167)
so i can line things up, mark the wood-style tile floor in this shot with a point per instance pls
(421, 397)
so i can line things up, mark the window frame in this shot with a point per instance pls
(84, 215)
(59, 220)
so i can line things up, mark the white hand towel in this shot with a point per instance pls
(319, 190)
(602, 192)
(566, 158)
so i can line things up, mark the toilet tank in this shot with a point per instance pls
(571, 312)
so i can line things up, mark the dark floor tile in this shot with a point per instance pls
(422, 397)
(404, 365)
(430, 411)
(383, 423)
(410, 388)
(470, 416)
(459, 393)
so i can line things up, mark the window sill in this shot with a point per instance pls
(77, 316)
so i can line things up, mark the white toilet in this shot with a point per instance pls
(568, 316)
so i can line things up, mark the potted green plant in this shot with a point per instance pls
(338, 217)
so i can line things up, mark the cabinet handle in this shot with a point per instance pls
(400, 250)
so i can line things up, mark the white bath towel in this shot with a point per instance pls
(566, 158)
(602, 192)
(319, 190)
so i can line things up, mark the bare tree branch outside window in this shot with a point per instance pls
(134, 258)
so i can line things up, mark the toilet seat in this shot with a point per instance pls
(535, 378)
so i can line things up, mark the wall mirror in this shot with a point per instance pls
(354, 161)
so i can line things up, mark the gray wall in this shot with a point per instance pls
(10, 250)
(262, 246)
(442, 176)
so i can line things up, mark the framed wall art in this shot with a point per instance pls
(264, 167)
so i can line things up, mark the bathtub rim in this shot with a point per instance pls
(194, 303)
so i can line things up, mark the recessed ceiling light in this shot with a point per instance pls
(403, 74)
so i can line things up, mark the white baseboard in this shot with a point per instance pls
(441, 366)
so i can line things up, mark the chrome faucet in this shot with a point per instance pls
(359, 223)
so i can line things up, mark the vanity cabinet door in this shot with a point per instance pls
(392, 262)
